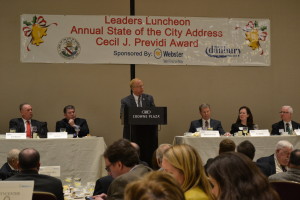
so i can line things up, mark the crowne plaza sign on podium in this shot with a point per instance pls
(145, 116)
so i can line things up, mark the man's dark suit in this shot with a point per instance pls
(102, 185)
(146, 136)
(64, 123)
(18, 124)
(267, 165)
(280, 125)
(117, 187)
(42, 183)
(214, 124)
(6, 171)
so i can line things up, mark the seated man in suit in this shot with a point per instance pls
(122, 163)
(29, 164)
(286, 124)
(26, 123)
(10, 168)
(71, 121)
(293, 171)
(206, 122)
(277, 162)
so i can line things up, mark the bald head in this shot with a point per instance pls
(13, 158)
(29, 158)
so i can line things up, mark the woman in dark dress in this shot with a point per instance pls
(245, 119)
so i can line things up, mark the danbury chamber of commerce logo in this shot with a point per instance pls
(36, 29)
(68, 48)
(157, 53)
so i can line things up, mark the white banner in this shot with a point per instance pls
(145, 40)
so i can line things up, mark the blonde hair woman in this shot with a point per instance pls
(184, 163)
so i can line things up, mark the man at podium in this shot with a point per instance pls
(145, 136)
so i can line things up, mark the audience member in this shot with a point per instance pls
(29, 164)
(244, 119)
(206, 122)
(225, 145)
(246, 148)
(122, 163)
(26, 123)
(234, 177)
(277, 162)
(70, 122)
(103, 183)
(184, 163)
(293, 171)
(154, 186)
(160, 152)
(286, 124)
(10, 168)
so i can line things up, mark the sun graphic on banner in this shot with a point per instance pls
(254, 34)
(36, 29)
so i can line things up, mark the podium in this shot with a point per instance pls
(141, 127)
(144, 116)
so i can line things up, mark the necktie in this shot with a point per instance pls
(283, 168)
(206, 124)
(288, 128)
(139, 101)
(28, 129)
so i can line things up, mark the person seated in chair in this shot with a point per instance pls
(29, 165)
(10, 168)
(25, 124)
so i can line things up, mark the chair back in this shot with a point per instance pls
(43, 196)
(287, 190)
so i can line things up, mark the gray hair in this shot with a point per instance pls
(13, 155)
(284, 144)
(204, 105)
(160, 151)
(289, 108)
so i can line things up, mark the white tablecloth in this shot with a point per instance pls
(209, 147)
(78, 157)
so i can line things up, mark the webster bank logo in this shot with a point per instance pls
(222, 51)
(158, 54)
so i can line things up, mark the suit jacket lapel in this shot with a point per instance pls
(132, 101)
(22, 125)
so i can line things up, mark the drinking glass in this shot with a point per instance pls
(12, 130)
(245, 131)
(77, 129)
(62, 129)
(255, 127)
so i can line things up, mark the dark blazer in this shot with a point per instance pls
(117, 187)
(18, 124)
(267, 165)
(280, 125)
(235, 127)
(42, 183)
(6, 171)
(215, 124)
(64, 123)
(147, 101)
(102, 185)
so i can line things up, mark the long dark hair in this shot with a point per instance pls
(239, 178)
(249, 119)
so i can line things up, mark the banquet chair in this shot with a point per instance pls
(43, 196)
(287, 190)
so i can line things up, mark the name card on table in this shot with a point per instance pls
(50, 170)
(16, 190)
(57, 135)
(297, 131)
(205, 133)
(15, 136)
(263, 132)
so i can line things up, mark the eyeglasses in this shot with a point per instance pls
(284, 112)
(107, 168)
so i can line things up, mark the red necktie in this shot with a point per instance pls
(28, 129)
